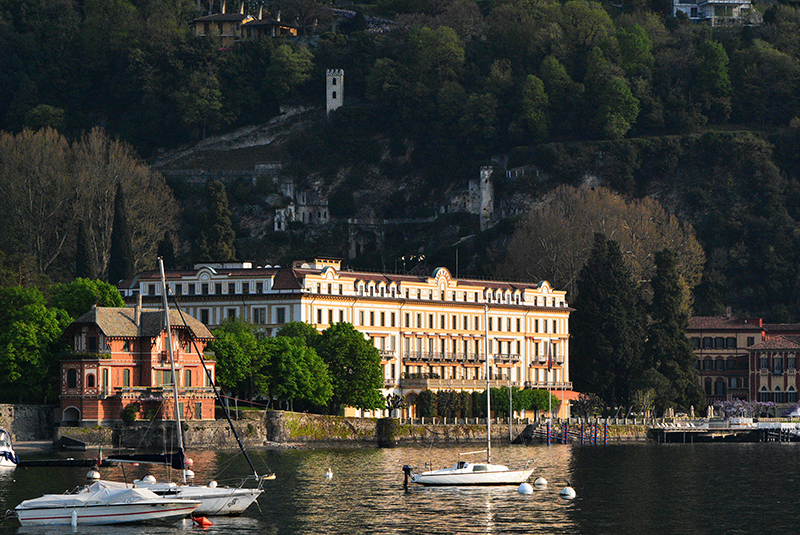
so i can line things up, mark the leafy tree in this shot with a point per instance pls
(302, 330)
(439, 53)
(217, 236)
(535, 119)
(668, 351)
(294, 371)
(78, 297)
(607, 327)
(289, 68)
(355, 368)
(29, 343)
(238, 355)
(426, 404)
(121, 261)
(636, 51)
(713, 80)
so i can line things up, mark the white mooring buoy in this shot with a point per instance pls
(567, 492)
(540, 482)
(526, 488)
(93, 475)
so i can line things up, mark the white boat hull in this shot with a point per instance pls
(459, 477)
(219, 501)
(214, 501)
(93, 515)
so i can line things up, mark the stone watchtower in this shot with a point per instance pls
(487, 197)
(334, 89)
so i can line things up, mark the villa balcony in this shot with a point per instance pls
(455, 358)
(430, 381)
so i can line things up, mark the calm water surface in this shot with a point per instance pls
(621, 489)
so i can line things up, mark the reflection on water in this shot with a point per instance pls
(621, 489)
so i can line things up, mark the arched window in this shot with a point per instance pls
(90, 381)
(72, 378)
(333, 82)
(187, 378)
(105, 379)
(333, 95)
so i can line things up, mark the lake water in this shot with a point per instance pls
(621, 489)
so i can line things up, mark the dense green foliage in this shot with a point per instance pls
(669, 360)
(78, 297)
(608, 326)
(29, 345)
(325, 371)
(121, 260)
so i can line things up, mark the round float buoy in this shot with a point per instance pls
(189, 461)
(540, 482)
(567, 492)
(525, 488)
(93, 475)
(329, 474)
(212, 484)
(149, 479)
(189, 474)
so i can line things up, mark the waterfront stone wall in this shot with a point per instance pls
(28, 422)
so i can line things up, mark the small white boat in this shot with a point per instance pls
(214, 500)
(467, 473)
(8, 459)
(101, 503)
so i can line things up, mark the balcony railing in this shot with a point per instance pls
(474, 358)
(451, 384)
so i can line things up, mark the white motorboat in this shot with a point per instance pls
(8, 459)
(102, 503)
(469, 473)
(214, 500)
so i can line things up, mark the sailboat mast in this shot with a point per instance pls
(172, 367)
(488, 392)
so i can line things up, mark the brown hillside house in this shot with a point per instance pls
(720, 344)
(120, 357)
(745, 358)
(774, 369)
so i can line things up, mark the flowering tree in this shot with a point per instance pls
(738, 408)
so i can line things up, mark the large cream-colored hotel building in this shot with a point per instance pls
(430, 330)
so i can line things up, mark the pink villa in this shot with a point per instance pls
(120, 357)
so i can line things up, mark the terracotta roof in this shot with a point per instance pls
(569, 395)
(120, 322)
(777, 342)
(717, 323)
(287, 279)
(788, 328)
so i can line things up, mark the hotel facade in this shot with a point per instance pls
(432, 331)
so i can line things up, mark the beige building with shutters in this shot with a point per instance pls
(431, 330)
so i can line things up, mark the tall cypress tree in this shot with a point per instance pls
(84, 260)
(668, 353)
(215, 242)
(121, 261)
(166, 250)
(608, 326)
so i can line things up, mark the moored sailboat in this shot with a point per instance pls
(475, 473)
(214, 500)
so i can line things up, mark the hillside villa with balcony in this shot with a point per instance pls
(431, 330)
(119, 358)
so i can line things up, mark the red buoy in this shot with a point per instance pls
(202, 521)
